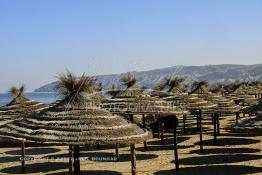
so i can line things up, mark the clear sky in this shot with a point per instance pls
(40, 38)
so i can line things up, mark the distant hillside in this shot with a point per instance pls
(212, 73)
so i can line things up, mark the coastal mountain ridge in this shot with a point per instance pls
(212, 73)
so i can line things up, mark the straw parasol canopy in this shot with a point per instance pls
(191, 102)
(20, 106)
(67, 125)
(250, 125)
(143, 104)
(224, 105)
(218, 88)
(248, 99)
(254, 108)
(234, 87)
(132, 89)
(134, 100)
(70, 122)
(113, 91)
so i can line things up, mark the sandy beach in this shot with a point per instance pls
(234, 154)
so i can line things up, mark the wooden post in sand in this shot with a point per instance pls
(131, 118)
(200, 130)
(184, 123)
(159, 127)
(23, 156)
(237, 116)
(175, 124)
(144, 126)
(218, 124)
(133, 159)
(70, 155)
(76, 160)
(197, 120)
(162, 131)
(215, 128)
(117, 152)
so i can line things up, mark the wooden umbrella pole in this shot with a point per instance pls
(159, 127)
(117, 152)
(200, 131)
(131, 118)
(218, 125)
(215, 129)
(175, 124)
(133, 159)
(162, 131)
(197, 119)
(76, 161)
(237, 117)
(184, 124)
(23, 156)
(144, 126)
(70, 155)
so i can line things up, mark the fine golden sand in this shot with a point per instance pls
(235, 154)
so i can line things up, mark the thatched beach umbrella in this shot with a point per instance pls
(251, 125)
(243, 97)
(20, 106)
(134, 101)
(71, 123)
(225, 106)
(145, 105)
(254, 109)
(196, 106)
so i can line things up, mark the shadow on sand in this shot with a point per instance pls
(229, 141)
(36, 168)
(7, 159)
(214, 170)
(168, 144)
(94, 172)
(34, 151)
(168, 140)
(227, 150)
(219, 159)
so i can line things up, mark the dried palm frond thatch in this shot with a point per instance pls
(73, 88)
(173, 84)
(74, 126)
(113, 91)
(71, 122)
(18, 92)
(224, 105)
(250, 125)
(20, 106)
(234, 86)
(217, 88)
(199, 87)
(128, 80)
(191, 102)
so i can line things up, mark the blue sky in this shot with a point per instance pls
(41, 38)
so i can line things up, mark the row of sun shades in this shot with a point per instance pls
(62, 124)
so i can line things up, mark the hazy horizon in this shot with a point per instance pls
(40, 39)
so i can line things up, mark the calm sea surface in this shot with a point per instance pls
(44, 97)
